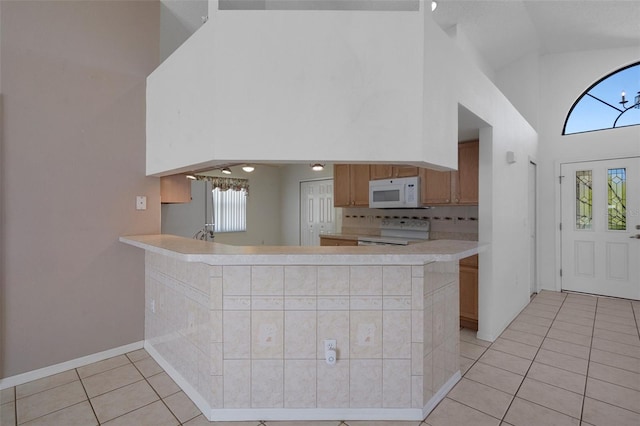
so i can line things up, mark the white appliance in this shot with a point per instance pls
(398, 232)
(398, 193)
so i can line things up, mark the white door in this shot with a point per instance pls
(600, 221)
(317, 214)
(533, 258)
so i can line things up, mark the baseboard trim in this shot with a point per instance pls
(315, 414)
(186, 387)
(299, 414)
(40, 373)
(442, 392)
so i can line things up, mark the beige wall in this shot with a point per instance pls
(73, 158)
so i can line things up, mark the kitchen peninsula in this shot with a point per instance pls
(242, 329)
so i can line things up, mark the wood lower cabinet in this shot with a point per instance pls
(175, 189)
(328, 241)
(351, 185)
(469, 292)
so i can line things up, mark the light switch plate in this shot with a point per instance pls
(141, 202)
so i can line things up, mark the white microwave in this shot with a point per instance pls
(398, 193)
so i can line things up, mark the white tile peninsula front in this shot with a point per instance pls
(242, 329)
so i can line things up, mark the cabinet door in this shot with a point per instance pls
(327, 241)
(341, 185)
(386, 171)
(467, 175)
(435, 187)
(469, 297)
(381, 171)
(175, 189)
(405, 171)
(360, 185)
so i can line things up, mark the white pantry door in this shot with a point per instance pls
(317, 214)
(600, 227)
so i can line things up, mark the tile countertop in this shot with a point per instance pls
(191, 250)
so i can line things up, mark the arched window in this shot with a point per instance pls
(613, 101)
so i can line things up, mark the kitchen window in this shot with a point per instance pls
(230, 210)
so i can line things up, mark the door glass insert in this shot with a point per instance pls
(584, 199)
(617, 199)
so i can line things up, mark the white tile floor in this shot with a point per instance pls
(567, 359)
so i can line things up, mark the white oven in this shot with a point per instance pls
(394, 193)
(398, 232)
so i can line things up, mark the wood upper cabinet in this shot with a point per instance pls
(435, 187)
(175, 189)
(351, 181)
(387, 171)
(351, 185)
(456, 187)
(466, 177)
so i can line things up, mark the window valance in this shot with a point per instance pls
(224, 183)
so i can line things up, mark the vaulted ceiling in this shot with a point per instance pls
(505, 30)
(502, 31)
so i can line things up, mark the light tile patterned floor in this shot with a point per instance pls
(567, 359)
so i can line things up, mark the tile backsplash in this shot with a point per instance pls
(447, 222)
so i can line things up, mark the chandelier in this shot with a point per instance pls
(625, 108)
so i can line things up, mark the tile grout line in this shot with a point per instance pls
(154, 390)
(15, 403)
(87, 395)
(533, 360)
(636, 318)
(15, 394)
(583, 397)
(586, 378)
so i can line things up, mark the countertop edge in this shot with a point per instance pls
(190, 250)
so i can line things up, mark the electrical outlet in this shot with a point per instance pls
(141, 202)
(329, 344)
(153, 306)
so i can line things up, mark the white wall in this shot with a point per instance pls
(563, 79)
(520, 83)
(263, 210)
(504, 266)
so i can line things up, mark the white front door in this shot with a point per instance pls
(317, 214)
(600, 227)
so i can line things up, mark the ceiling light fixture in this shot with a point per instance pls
(226, 170)
(434, 5)
(247, 168)
(190, 176)
(317, 167)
